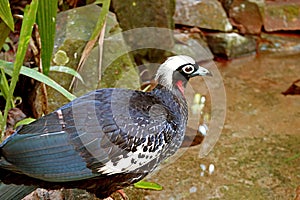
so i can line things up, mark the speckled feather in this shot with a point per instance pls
(88, 137)
(104, 140)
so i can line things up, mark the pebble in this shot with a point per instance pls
(201, 173)
(193, 189)
(211, 169)
(203, 129)
(203, 167)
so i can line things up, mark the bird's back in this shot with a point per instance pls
(105, 134)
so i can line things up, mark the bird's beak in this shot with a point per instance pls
(202, 72)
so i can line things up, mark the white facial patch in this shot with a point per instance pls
(165, 71)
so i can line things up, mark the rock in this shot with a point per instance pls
(282, 15)
(44, 194)
(246, 16)
(226, 4)
(279, 42)
(133, 15)
(230, 45)
(148, 30)
(136, 14)
(192, 44)
(208, 14)
(14, 116)
(74, 28)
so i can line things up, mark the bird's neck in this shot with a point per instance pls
(177, 91)
(177, 86)
(180, 86)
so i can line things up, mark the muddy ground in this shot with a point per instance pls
(258, 153)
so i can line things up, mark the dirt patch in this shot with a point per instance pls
(258, 153)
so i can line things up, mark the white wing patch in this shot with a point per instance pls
(134, 160)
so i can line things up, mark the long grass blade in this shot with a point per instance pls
(25, 34)
(67, 70)
(46, 20)
(32, 73)
(5, 14)
(4, 33)
(4, 86)
(7, 23)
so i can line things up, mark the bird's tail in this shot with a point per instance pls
(11, 191)
(14, 192)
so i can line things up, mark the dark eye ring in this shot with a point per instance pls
(188, 69)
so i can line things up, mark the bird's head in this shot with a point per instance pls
(177, 70)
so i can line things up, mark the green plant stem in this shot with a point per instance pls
(4, 86)
(46, 20)
(25, 34)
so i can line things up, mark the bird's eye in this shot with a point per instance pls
(188, 69)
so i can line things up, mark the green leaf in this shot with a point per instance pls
(6, 15)
(8, 67)
(101, 19)
(98, 2)
(67, 70)
(1, 122)
(46, 20)
(24, 122)
(4, 33)
(7, 23)
(25, 34)
(4, 87)
(148, 185)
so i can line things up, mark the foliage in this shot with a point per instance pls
(7, 24)
(44, 12)
(148, 185)
(25, 34)
(5, 14)
(33, 73)
(46, 20)
(24, 122)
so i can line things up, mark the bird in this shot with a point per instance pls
(103, 141)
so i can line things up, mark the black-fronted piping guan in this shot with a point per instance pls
(103, 141)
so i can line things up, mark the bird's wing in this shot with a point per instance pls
(140, 134)
(45, 149)
(104, 132)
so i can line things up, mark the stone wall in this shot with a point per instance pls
(251, 21)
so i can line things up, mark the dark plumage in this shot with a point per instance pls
(104, 140)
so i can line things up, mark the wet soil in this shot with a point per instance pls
(258, 153)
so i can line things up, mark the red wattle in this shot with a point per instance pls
(180, 86)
